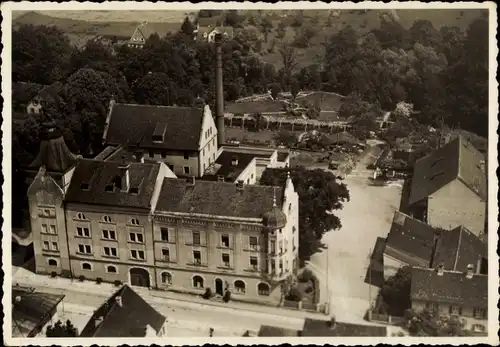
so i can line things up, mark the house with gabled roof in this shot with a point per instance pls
(184, 138)
(449, 187)
(452, 294)
(30, 97)
(208, 33)
(145, 30)
(126, 314)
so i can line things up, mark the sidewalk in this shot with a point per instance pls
(25, 277)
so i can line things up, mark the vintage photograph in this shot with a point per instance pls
(195, 172)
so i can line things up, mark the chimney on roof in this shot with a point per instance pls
(98, 321)
(440, 269)
(239, 185)
(124, 177)
(234, 161)
(119, 301)
(470, 271)
(219, 91)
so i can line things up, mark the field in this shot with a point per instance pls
(83, 25)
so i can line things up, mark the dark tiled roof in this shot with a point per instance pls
(129, 320)
(411, 237)
(270, 331)
(458, 159)
(217, 198)
(107, 152)
(320, 328)
(451, 287)
(131, 124)
(122, 154)
(32, 312)
(98, 174)
(224, 166)
(458, 248)
(24, 92)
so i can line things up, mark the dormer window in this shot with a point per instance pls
(110, 187)
(159, 132)
(134, 221)
(107, 219)
(81, 216)
(134, 190)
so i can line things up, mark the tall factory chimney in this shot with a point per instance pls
(219, 91)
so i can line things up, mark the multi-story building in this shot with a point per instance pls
(184, 138)
(449, 187)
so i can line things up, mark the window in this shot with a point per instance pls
(254, 242)
(107, 219)
(196, 238)
(86, 266)
(224, 240)
(110, 252)
(111, 269)
(254, 263)
(134, 221)
(213, 156)
(52, 229)
(273, 247)
(197, 257)
(186, 170)
(83, 232)
(263, 289)
(198, 282)
(186, 155)
(46, 245)
(225, 260)
(164, 234)
(289, 207)
(109, 234)
(136, 254)
(281, 247)
(55, 246)
(44, 229)
(52, 262)
(281, 266)
(209, 147)
(213, 142)
(273, 265)
(203, 151)
(166, 278)
(85, 249)
(239, 286)
(136, 237)
(151, 154)
(80, 216)
(165, 254)
(479, 313)
(294, 229)
(455, 310)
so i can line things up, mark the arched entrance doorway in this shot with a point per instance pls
(139, 277)
(219, 286)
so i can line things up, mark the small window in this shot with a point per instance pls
(166, 278)
(107, 219)
(479, 313)
(187, 170)
(137, 254)
(209, 147)
(111, 269)
(186, 155)
(109, 234)
(44, 229)
(134, 221)
(165, 254)
(263, 289)
(197, 257)
(196, 238)
(198, 282)
(55, 246)
(225, 241)
(110, 252)
(254, 263)
(46, 245)
(164, 234)
(213, 141)
(225, 260)
(86, 266)
(254, 242)
(80, 216)
(239, 286)
(83, 232)
(203, 151)
(213, 155)
(52, 262)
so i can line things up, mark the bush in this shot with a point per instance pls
(118, 283)
(81, 278)
(294, 295)
(53, 274)
(309, 289)
(98, 280)
(227, 296)
(306, 276)
(208, 294)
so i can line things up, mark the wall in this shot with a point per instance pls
(249, 174)
(176, 158)
(391, 265)
(454, 205)
(395, 259)
(208, 141)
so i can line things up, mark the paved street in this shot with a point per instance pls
(365, 217)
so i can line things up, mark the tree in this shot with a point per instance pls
(266, 27)
(154, 89)
(353, 106)
(281, 30)
(286, 138)
(289, 61)
(320, 193)
(396, 292)
(187, 28)
(295, 88)
(298, 19)
(232, 18)
(275, 90)
(40, 54)
(60, 330)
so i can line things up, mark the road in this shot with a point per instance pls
(365, 217)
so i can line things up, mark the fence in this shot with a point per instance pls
(386, 319)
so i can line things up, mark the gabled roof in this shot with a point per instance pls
(458, 159)
(227, 32)
(452, 287)
(91, 177)
(412, 237)
(458, 248)
(217, 198)
(31, 311)
(225, 166)
(128, 320)
(321, 328)
(162, 29)
(132, 124)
